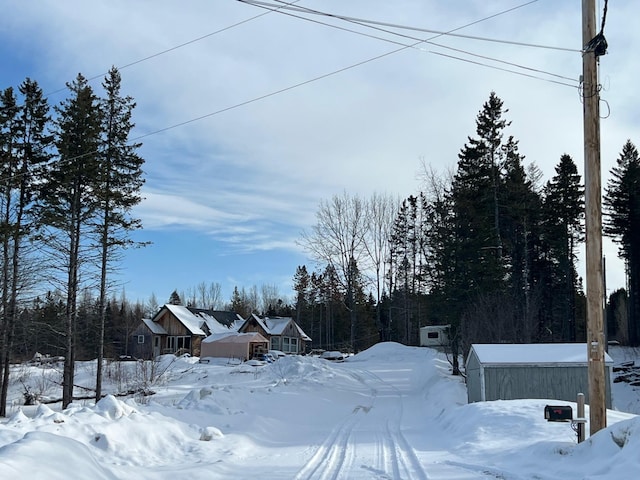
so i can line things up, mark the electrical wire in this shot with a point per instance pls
(306, 82)
(176, 47)
(428, 41)
(405, 27)
(604, 16)
(523, 74)
(335, 72)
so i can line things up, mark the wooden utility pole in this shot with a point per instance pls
(593, 220)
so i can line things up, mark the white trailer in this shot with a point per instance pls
(434, 336)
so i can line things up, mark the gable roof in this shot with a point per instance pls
(197, 321)
(188, 319)
(155, 328)
(532, 353)
(212, 324)
(277, 325)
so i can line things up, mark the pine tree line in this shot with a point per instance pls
(488, 250)
(69, 177)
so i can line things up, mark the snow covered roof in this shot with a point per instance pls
(304, 336)
(533, 353)
(155, 328)
(188, 319)
(277, 325)
(212, 323)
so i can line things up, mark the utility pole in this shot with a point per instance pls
(593, 48)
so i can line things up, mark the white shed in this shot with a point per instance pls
(545, 370)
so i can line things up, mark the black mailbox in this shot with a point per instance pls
(558, 413)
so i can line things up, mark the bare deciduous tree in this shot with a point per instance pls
(338, 239)
(382, 211)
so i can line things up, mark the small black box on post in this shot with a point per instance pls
(558, 413)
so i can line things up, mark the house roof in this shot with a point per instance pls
(277, 325)
(212, 323)
(197, 321)
(533, 353)
(224, 317)
(155, 328)
(188, 319)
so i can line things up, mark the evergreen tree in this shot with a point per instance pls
(482, 241)
(519, 226)
(174, 298)
(564, 228)
(622, 222)
(68, 203)
(9, 131)
(476, 210)
(27, 152)
(118, 191)
(302, 285)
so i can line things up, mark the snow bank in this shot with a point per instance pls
(52, 457)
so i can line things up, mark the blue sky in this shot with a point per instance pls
(226, 197)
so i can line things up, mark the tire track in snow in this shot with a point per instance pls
(400, 460)
(406, 462)
(333, 457)
(391, 456)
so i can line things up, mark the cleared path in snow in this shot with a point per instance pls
(370, 443)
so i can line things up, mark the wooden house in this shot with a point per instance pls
(283, 333)
(178, 329)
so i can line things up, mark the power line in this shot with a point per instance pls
(176, 47)
(450, 33)
(320, 77)
(531, 69)
(507, 70)
(335, 72)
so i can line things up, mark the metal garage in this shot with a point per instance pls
(545, 370)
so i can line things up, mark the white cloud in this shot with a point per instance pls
(256, 173)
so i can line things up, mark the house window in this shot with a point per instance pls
(432, 335)
(140, 338)
(289, 345)
(184, 342)
(275, 343)
(177, 343)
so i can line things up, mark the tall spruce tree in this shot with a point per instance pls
(622, 222)
(476, 208)
(518, 223)
(301, 285)
(30, 151)
(68, 204)
(9, 131)
(485, 249)
(117, 191)
(564, 229)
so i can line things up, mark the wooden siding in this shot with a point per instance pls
(141, 350)
(253, 326)
(173, 326)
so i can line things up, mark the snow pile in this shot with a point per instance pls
(391, 412)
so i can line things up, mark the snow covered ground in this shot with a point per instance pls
(391, 412)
